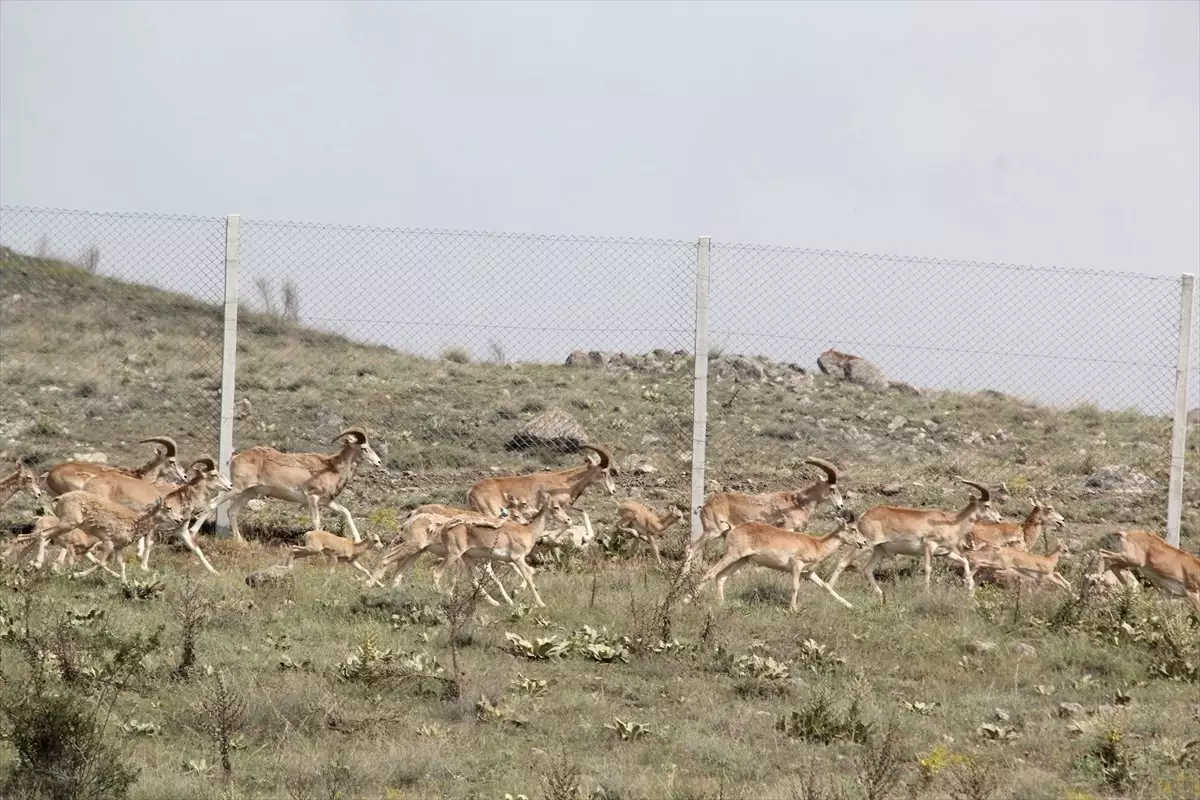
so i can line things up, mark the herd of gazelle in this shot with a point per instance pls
(100, 510)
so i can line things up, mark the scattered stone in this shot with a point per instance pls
(981, 647)
(896, 424)
(1022, 649)
(1066, 710)
(891, 489)
(553, 428)
(271, 576)
(1000, 715)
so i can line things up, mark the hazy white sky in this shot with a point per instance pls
(1050, 133)
(1031, 132)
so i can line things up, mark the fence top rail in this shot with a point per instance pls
(934, 261)
(457, 232)
(274, 223)
(139, 215)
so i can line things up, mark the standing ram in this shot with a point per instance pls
(312, 479)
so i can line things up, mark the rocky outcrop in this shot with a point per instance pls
(553, 428)
(663, 362)
(850, 367)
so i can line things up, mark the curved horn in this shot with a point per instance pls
(207, 462)
(605, 457)
(985, 493)
(360, 436)
(166, 441)
(831, 473)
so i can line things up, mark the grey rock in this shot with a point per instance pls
(1120, 479)
(271, 576)
(553, 428)
(1069, 710)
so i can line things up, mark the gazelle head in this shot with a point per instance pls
(1050, 516)
(847, 529)
(546, 504)
(27, 479)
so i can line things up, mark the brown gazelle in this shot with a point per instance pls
(762, 545)
(20, 479)
(114, 526)
(338, 549)
(645, 524)
(1011, 534)
(462, 539)
(1175, 571)
(1011, 563)
(897, 530)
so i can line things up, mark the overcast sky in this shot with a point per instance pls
(1059, 134)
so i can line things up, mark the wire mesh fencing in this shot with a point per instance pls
(466, 354)
(913, 371)
(110, 332)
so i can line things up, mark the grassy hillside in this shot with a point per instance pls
(352, 693)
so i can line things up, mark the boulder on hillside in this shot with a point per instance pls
(850, 367)
(553, 428)
(594, 359)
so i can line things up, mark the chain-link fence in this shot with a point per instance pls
(466, 354)
(921, 369)
(110, 332)
(469, 335)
